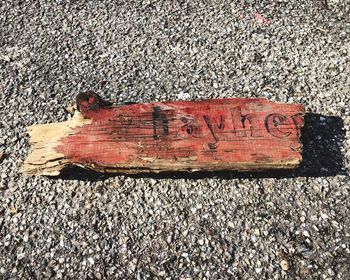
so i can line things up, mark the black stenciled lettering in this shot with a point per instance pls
(189, 127)
(222, 123)
(249, 122)
(298, 121)
(242, 123)
(211, 129)
(244, 120)
(160, 121)
(272, 123)
(207, 121)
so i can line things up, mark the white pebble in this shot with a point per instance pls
(21, 256)
(201, 242)
(230, 225)
(284, 265)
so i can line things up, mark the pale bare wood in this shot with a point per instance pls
(44, 159)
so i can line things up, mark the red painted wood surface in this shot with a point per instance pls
(217, 134)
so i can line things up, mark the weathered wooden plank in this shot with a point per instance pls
(219, 134)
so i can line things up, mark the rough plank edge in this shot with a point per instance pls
(239, 167)
(44, 159)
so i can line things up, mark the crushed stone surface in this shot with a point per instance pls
(292, 225)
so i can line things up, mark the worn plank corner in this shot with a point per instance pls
(205, 135)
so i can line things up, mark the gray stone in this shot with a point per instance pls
(178, 226)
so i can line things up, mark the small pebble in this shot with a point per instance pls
(284, 265)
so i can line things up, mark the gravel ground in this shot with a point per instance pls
(201, 226)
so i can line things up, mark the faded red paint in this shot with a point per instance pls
(215, 132)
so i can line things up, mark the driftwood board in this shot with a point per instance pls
(219, 134)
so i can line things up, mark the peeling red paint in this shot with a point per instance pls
(219, 131)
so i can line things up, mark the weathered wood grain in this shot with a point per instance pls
(219, 134)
